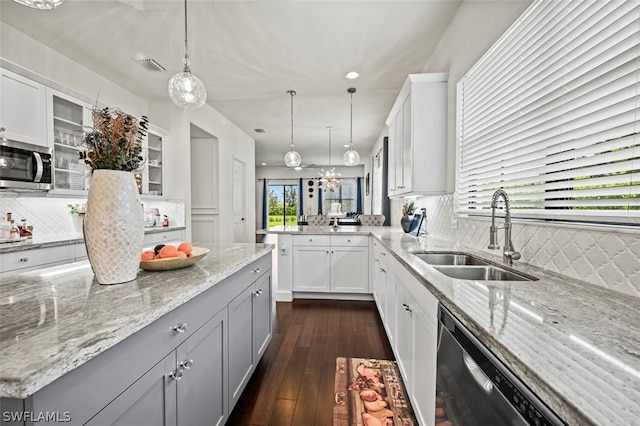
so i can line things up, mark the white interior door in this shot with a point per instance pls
(204, 186)
(239, 206)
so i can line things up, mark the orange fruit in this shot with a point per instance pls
(182, 254)
(186, 248)
(147, 255)
(168, 251)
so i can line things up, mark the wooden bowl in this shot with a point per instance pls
(174, 262)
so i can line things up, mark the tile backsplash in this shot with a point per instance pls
(601, 256)
(52, 220)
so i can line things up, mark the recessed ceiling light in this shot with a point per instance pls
(352, 75)
(346, 145)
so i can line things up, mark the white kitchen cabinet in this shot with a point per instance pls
(379, 277)
(331, 264)
(68, 120)
(415, 343)
(27, 260)
(23, 109)
(151, 178)
(311, 267)
(418, 138)
(173, 236)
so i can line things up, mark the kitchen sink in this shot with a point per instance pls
(483, 273)
(452, 258)
(465, 266)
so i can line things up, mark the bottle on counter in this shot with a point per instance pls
(26, 229)
(165, 221)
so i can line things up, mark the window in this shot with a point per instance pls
(551, 114)
(283, 202)
(345, 195)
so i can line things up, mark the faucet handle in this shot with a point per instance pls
(511, 256)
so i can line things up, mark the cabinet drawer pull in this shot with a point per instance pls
(257, 270)
(180, 328)
(24, 259)
(310, 240)
(176, 374)
(186, 364)
(384, 254)
(383, 270)
(257, 292)
(406, 307)
(348, 241)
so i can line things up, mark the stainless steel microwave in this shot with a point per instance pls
(25, 166)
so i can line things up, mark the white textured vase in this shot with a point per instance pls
(114, 226)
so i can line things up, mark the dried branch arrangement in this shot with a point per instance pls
(115, 142)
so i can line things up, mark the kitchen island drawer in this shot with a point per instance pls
(311, 240)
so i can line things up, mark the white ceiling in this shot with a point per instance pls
(249, 53)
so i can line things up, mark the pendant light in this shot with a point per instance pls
(329, 179)
(292, 158)
(351, 157)
(40, 4)
(185, 89)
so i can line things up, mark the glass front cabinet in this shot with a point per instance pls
(151, 179)
(70, 118)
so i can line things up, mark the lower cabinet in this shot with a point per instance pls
(410, 317)
(186, 387)
(249, 334)
(331, 264)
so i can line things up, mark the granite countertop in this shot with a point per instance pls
(574, 344)
(55, 241)
(55, 319)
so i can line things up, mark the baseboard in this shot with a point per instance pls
(332, 296)
(284, 296)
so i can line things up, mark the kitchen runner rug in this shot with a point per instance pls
(370, 392)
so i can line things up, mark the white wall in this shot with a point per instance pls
(27, 53)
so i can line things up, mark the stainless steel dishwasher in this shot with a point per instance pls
(474, 388)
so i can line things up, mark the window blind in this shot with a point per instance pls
(551, 115)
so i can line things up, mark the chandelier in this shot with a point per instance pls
(329, 179)
(185, 89)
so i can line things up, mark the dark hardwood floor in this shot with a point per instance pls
(293, 383)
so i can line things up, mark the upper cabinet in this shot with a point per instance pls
(22, 109)
(150, 179)
(70, 118)
(418, 137)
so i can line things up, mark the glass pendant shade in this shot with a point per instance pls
(186, 90)
(292, 159)
(351, 158)
(40, 4)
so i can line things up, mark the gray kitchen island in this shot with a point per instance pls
(171, 347)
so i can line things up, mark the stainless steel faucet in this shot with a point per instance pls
(509, 254)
